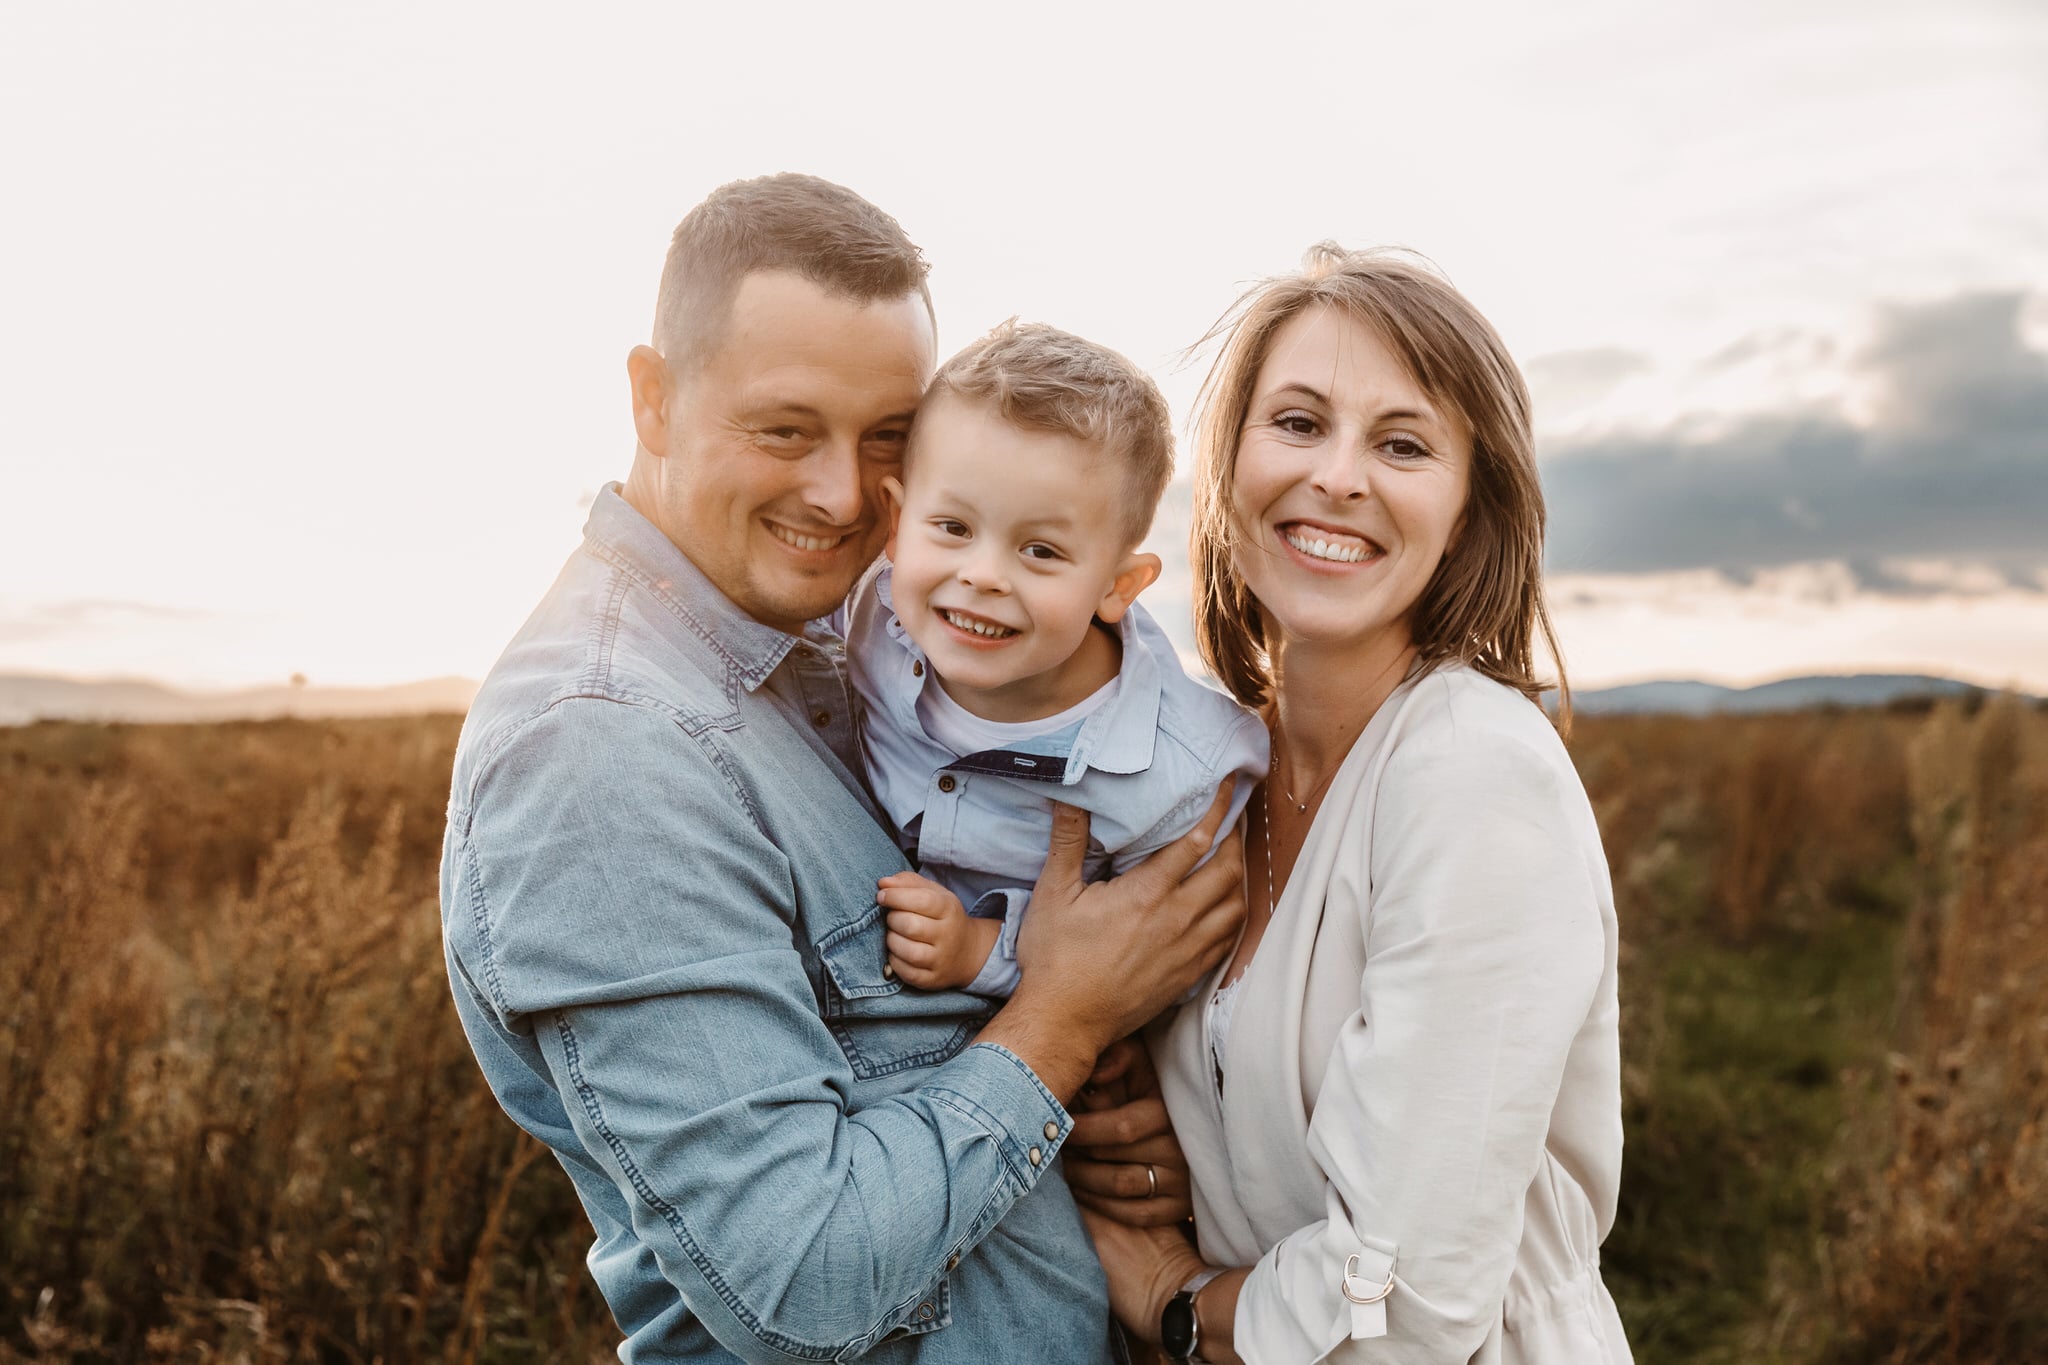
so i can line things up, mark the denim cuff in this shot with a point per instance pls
(993, 1086)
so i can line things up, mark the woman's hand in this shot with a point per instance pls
(1145, 1266)
(1122, 1159)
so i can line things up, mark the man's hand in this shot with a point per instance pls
(934, 944)
(1099, 959)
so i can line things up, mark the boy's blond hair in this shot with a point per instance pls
(1039, 376)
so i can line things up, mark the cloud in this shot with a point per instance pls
(1576, 379)
(50, 620)
(1947, 463)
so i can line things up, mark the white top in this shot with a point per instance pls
(1423, 1059)
(1220, 1006)
(960, 730)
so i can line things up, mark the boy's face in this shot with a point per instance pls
(1008, 544)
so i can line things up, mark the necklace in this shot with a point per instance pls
(1300, 803)
(1266, 837)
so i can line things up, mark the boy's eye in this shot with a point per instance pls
(1041, 552)
(946, 526)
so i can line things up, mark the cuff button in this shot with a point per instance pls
(1035, 1156)
(1052, 1131)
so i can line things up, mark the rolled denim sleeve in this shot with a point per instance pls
(630, 914)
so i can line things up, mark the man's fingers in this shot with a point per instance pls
(1169, 866)
(1060, 878)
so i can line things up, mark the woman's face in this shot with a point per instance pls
(1349, 486)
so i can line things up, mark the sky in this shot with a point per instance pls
(313, 318)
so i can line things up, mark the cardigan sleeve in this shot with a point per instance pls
(1484, 950)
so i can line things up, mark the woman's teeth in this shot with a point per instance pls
(803, 542)
(978, 627)
(1339, 550)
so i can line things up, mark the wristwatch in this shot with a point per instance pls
(1180, 1330)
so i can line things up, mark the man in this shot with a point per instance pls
(659, 876)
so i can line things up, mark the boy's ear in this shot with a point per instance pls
(1134, 574)
(892, 498)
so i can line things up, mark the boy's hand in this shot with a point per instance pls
(934, 944)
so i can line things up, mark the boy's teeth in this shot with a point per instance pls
(1341, 552)
(978, 627)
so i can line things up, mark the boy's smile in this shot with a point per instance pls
(1009, 544)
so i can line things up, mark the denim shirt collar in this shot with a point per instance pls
(1116, 738)
(619, 535)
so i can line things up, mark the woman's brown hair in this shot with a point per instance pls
(1484, 605)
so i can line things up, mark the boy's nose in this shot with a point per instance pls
(981, 572)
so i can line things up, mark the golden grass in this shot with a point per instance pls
(238, 1120)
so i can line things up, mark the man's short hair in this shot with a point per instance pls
(1039, 376)
(810, 227)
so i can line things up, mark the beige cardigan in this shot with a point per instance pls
(1422, 1069)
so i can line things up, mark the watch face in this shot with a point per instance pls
(1177, 1326)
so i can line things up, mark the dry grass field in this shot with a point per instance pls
(238, 1121)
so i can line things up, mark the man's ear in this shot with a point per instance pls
(1134, 574)
(892, 499)
(653, 383)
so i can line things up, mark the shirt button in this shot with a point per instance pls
(947, 783)
(1035, 1156)
(953, 1261)
(888, 971)
(924, 1312)
(1052, 1130)
(821, 719)
(917, 668)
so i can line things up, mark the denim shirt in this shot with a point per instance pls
(658, 909)
(1145, 766)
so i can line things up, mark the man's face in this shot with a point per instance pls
(774, 449)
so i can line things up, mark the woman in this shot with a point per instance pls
(1400, 1098)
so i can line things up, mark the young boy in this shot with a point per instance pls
(1001, 663)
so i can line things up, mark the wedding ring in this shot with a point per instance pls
(1151, 1179)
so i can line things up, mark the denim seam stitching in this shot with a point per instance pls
(677, 1227)
(480, 920)
(624, 564)
(604, 629)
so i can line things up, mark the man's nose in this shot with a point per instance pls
(832, 486)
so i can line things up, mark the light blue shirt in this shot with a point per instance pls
(1145, 765)
(658, 909)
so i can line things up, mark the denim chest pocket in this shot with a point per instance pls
(882, 1025)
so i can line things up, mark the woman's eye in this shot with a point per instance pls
(1296, 423)
(1404, 448)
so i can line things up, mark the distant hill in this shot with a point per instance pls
(27, 698)
(1787, 694)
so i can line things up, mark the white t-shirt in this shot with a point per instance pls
(960, 730)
